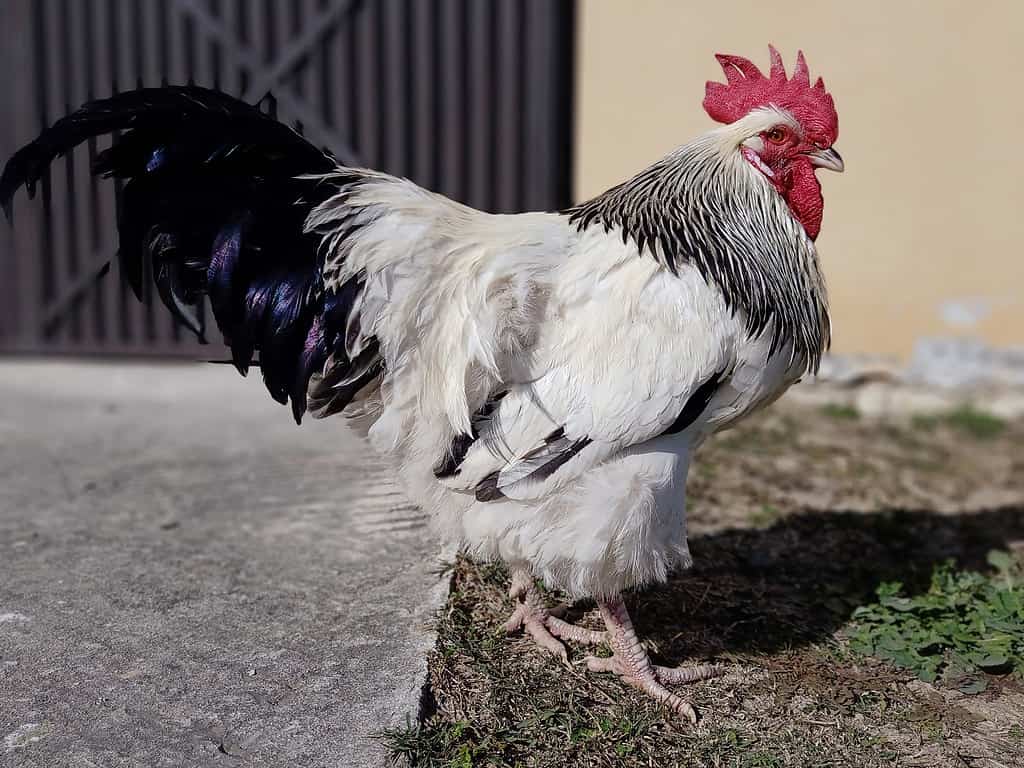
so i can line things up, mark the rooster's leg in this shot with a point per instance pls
(542, 623)
(631, 663)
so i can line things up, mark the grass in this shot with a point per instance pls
(767, 605)
(966, 625)
(452, 745)
(794, 522)
(794, 696)
(765, 516)
(966, 419)
(841, 412)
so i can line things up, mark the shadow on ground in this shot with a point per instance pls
(766, 602)
(795, 583)
(852, 503)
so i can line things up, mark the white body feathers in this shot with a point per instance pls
(568, 355)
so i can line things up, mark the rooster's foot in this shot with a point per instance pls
(631, 663)
(544, 624)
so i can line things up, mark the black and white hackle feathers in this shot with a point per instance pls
(683, 210)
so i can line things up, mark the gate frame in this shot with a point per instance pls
(36, 299)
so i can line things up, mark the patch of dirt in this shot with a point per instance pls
(795, 518)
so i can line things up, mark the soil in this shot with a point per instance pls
(796, 516)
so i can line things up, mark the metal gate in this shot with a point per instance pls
(471, 98)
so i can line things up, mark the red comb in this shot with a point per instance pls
(746, 88)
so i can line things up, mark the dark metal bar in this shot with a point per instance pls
(126, 71)
(367, 85)
(109, 289)
(452, 75)
(93, 242)
(230, 69)
(59, 219)
(478, 107)
(79, 255)
(508, 173)
(178, 61)
(301, 12)
(20, 290)
(540, 52)
(424, 166)
(393, 83)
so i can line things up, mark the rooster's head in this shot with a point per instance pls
(789, 127)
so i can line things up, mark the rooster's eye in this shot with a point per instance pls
(776, 135)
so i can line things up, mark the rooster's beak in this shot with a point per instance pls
(827, 158)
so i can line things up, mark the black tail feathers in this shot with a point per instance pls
(212, 198)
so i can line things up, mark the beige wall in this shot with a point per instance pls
(930, 98)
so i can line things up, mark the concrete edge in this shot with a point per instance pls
(438, 596)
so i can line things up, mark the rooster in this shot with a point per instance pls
(541, 381)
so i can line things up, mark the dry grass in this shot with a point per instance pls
(795, 519)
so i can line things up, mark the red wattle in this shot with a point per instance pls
(803, 194)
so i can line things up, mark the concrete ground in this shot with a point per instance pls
(188, 579)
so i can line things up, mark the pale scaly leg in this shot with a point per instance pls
(631, 662)
(542, 623)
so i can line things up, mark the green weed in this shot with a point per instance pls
(438, 745)
(841, 412)
(967, 419)
(966, 623)
(765, 516)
